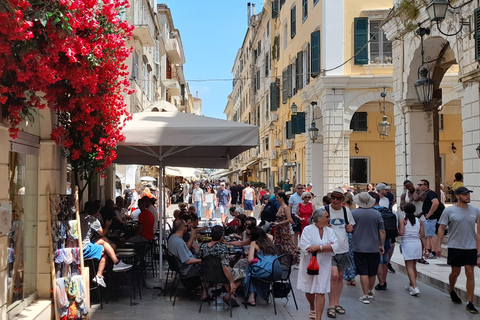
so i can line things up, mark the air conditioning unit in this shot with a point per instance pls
(273, 154)
(276, 143)
(289, 144)
(273, 117)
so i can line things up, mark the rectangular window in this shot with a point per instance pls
(299, 71)
(306, 65)
(290, 79)
(359, 170)
(266, 65)
(380, 46)
(298, 123)
(315, 2)
(359, 122)
(258, 79)
(288, 130)
(476, 14)
(267, 147)
(275, 9)
(315, 53)
(293, 22)
(278, 46)
(285, 36)
(274, 96)
(284, 86)
(304, 10)
(440, 123)
(259, 47)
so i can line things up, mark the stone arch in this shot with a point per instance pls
(360, 100)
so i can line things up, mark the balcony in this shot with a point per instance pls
(143, 23)
(172, 83)
(173, 51)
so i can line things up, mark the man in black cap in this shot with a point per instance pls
(463, 243)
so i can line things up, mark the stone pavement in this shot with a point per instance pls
(394, 303)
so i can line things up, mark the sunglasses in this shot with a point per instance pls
(421, 184)
(307, 197)
(336, 198)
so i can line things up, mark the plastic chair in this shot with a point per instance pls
(214, 276)
(278, 283)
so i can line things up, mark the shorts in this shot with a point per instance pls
(341, 261)
(209, 206)
(223, 209)
(93, 251)
(248, 205)
(429, 225)
(194, 271)
(387, 247)
(366, 264)
(462, 257)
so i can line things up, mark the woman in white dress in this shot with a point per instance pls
(209, 202)
(320, 238)
(413, 238)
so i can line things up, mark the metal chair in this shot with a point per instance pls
(172, 266)
(95, 286)
(188, 282)
(279, 248)
(278, 280)
(214, 275)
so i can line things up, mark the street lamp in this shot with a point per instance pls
(437, 10)
(424, 84)
(478, 151)
(313, 132)
(384, 126)
(294, 108)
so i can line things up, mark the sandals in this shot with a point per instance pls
(339, 310)
(312, 315)
(331, 313)
(351, 282)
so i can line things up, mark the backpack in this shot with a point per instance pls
(327, 208)
(390, 222)
(269, 212)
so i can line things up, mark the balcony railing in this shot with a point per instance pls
(173, 50)
(143, 23)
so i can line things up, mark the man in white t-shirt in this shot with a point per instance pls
(340, 261)
(382, 190)
(248, 199)
(293, 202)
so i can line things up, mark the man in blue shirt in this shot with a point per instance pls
(224, 198)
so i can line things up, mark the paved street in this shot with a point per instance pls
(395, 303)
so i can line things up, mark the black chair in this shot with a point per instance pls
(213, 275)
(93, 285)
(188, 282)
(279, 248)
(279, 282)
(172, 268)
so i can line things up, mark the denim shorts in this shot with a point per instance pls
(387, 247)
(248, 205)
(429, 225)
(209, 206)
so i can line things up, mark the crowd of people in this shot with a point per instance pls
(353, 234)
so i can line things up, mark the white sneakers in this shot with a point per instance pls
(414, 291)
(364, 299)
(100, 281)
(370, 294)
(120, 266)
(408, 288)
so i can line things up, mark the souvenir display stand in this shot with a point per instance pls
(70, 280)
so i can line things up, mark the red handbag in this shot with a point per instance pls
(313, 267)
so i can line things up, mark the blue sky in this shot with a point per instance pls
(212, 31)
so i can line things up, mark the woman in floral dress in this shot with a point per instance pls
(282, 233)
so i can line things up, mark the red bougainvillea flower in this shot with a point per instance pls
(68, 55)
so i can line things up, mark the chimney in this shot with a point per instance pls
(253, 9)
(249, 13)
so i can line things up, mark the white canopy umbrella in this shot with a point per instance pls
(184, 140)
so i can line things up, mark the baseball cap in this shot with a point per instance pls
(310, 184)
(222, 183)
(462, 190)
(382, 186)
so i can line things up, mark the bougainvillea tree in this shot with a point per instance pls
(68, 55)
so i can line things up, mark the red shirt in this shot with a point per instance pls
(146, 218)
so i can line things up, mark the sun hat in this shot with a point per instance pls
(338, 190)
(364, 200)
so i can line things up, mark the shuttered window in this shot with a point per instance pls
(299, 71)
(477, 33)
(275, 9)
(284, 86)
(315, 53)
(361, 40)
(288, 130)
(298, 123)
(289, 81)
(293, 22)
(274, 96)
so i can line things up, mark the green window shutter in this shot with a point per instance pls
(293, 22)
(293, 124)
(360, 40)
(477, 33)
(289, 81)
(278, 47)
(274, 96)
(274, 9)
(315, 53)
(299, 71)
(299, 122)
(288, 130)
(308, 63)
(267, 62)
(284, 86)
